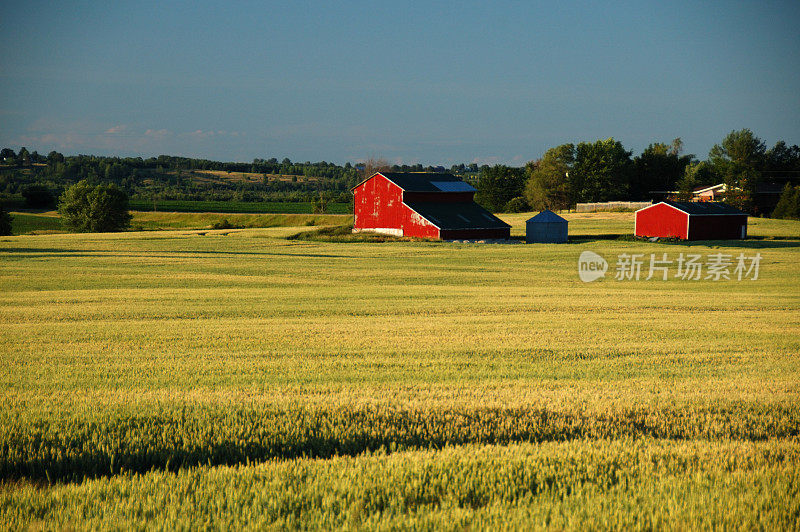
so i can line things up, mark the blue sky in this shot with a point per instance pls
(429, 82)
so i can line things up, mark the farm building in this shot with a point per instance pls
(425, 205)
(712, 193)
(691, 221)
(546, 227)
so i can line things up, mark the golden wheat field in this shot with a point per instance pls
(231, 379)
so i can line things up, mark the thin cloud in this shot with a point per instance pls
(157, 133)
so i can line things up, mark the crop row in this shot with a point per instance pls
(574, 485)
(71, 448)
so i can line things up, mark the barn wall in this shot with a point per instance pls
(378, 204)
(662, 221)
(417, 226)
(719, 227)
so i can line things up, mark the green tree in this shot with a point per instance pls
(98, 209)
(7, 153)
(659, 167)
(547, 179)
(782, 157)
(23, 157)
(38, 197)
(601, 172)
(54, 157)
(695, 175)
(5, 222)
(788, 206)
(498, 185)
(738, 161)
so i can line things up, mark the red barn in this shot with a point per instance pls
(424, 205)
(691, 221)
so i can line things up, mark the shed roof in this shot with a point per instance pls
(465, 215)
(547, 217)
(423, 181)
(704, 207)
(705, 188)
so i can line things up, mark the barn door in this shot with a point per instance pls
(744, 232)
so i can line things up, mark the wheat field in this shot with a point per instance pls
(220, 379)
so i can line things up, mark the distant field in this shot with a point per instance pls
(26, 223)
(173, 220)
(235, 379)
(50, 222)
(236, 207)
(221, 176)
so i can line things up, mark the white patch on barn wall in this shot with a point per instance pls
(383, 230)
(417, 218)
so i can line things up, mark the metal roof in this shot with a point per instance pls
(464, 215)
(703, 207)
(547, 217)
(453, 186)
(419, 181)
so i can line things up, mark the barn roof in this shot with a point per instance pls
(703, 207)
(547, 217)
(425, 181)
(466, 215)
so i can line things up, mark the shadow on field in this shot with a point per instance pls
(749, 243)
(72, 449)
(753, 243)
(262, 253)
(582, 239)
(55, 252)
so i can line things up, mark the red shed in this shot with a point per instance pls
(425, 205)
(691, 221)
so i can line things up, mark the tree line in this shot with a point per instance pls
(605, 171)
(565, 175)
(29, 179)
(33, 180)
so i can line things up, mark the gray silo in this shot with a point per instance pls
(547, 228)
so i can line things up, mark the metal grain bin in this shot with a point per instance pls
(547, 228)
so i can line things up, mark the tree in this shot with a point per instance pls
(374, 164)
(659, 167)
(498, 185)
(782, 158)
(38, 197)
(54, 157)
(98, 209)
(547, 186)
(739, 161)
(5, 222)
(601, 172)
(23, 157)
(695, 175)
(788, 206)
